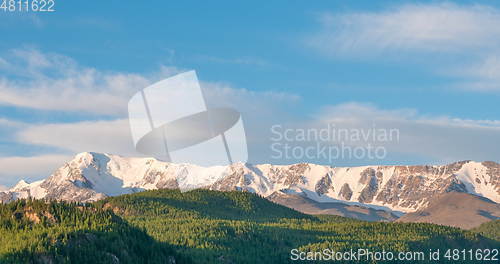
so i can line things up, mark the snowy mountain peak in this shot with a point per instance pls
(92, 176)
(20, 185)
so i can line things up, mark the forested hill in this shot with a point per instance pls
(201, 226)
(33, 231)
(198, 204)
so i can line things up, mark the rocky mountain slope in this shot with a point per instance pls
(308, 206)
(93, 176)
(456, 209)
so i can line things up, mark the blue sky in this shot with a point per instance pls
(429, 68)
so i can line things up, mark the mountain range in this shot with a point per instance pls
(366, 192)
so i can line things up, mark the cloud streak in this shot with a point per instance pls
(99, 136)
(54, 82)
(439, 139)
(439, 35)
(29, 168)
(431, 28)
(422, 139)
(482, 76)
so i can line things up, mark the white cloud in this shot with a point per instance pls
(32, 79)
(114, 136)
(16, 19)
(55, 82)
(443, 139)
(461, 41)
(244, 60)
(416, 27)
(97, 136)
(29, 168)
(8, 128)
(6, 123)
(51, 81)
(421, 138)
(223, 94)
(483, 76)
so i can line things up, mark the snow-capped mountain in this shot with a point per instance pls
(93, 176)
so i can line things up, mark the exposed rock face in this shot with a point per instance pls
(93, 176)
(324, 185)
(72, 186)
(345, 192)
(369, 179)
(493, 171)
(231, 182)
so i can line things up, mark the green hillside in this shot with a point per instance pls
(200, 204)
(37, 232)
(199, 226)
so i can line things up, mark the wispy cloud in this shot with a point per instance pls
(29, 168)
(49, 81)
(417, 27)
(6, 123)
(462, 41)
(37, 80)
(243, 60)
(8, 129)
(220, 93)
(54, 82)
(420, 138)
(100, 136)
(482, 76)
(13, 19)
(439, 138)
(113, 136)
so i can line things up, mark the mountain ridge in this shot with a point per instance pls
(91, 176)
